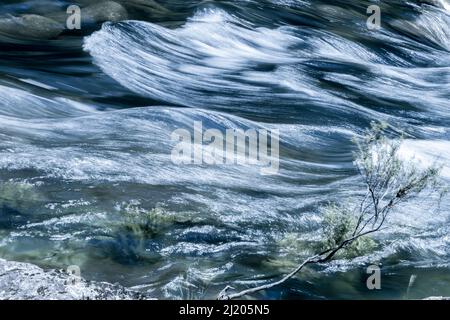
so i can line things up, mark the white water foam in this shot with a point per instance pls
(218, 60)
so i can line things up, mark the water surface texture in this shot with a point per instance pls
(86, 117)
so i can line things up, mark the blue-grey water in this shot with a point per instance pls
(86, 118)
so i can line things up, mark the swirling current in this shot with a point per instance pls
(86, 118)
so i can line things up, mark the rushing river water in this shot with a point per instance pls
(86, 116)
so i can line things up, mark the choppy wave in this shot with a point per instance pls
(218, 61)
(33, 106)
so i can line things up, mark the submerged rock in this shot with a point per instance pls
(50, 25)
(23, 281)
(30, 26)
(96, 13)
(147, 5)
(439, 3)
